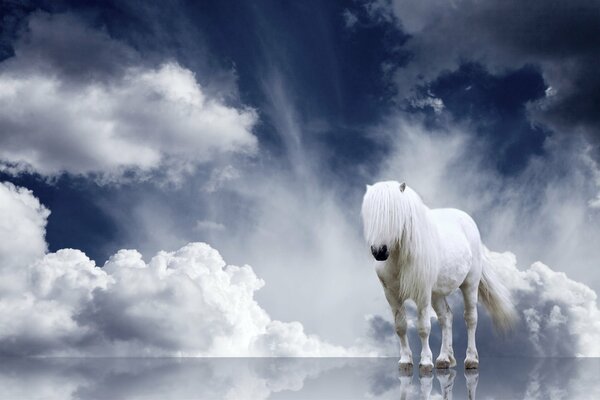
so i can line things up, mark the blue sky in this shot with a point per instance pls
(254, 126)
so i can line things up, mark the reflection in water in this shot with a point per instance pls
(297, 378)
(445, 380)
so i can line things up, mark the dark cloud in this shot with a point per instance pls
(64, 45)
(560, 38)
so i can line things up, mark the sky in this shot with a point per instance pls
(185, 178)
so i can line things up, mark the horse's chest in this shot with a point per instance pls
(389, 276)
(392, 276)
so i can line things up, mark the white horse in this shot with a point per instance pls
(424, 255)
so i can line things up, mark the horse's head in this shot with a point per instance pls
(381, 219)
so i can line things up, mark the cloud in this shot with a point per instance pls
(350, 19)
(561, 39)
(186, 302)
(109, 114)
(561, 315)
(22, 226)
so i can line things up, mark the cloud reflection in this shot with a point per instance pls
(292, 378)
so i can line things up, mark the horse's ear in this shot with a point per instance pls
(402, 186)
(368, 187)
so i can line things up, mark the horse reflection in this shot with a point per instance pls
(445, 380)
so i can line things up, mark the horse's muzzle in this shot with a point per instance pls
(380, 253)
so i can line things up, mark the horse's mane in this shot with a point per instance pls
(401, 220)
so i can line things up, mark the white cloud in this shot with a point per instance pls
(109, 118)
(436, 104)
(186, 302)
(22, 228)
(556, 309)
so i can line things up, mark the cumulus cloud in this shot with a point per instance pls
(108, 114)
(22, 226)
(186, 302)
(560, 314)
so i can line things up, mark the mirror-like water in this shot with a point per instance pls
(297, 378)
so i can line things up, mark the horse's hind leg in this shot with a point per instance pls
(470, 292)
(446, 358)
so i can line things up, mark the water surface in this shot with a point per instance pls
(293, 378)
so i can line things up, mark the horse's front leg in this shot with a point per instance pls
(424, 328)
(401, 325)
(397, 305)
(446, 379)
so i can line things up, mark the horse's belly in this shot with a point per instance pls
(455, 266)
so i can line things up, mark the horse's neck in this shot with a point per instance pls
(419, 233)
(416, 257)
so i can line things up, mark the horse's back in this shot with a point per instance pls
(456, 222)
(460, 247)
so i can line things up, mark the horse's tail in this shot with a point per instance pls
(495, 296)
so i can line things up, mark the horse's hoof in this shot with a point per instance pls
(471, 364)
(425, 368)
(405, 366)
(452, 361)
(442, 364)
